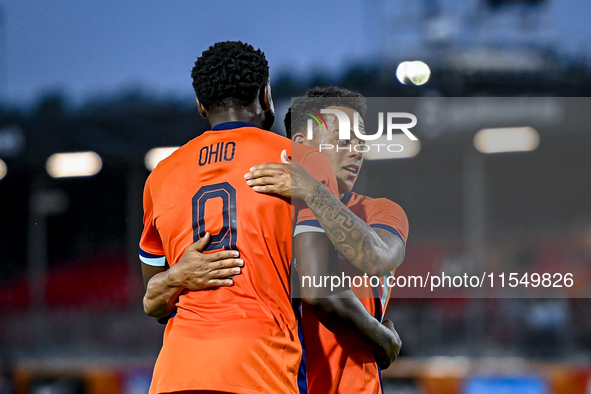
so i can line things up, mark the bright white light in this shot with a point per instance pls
(510, 139)
(401, 73)
(156, 155)
(418, 72)
(3, 169)
(399, 147)
(415, 73)
(75, 164)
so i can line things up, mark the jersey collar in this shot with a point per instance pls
(231, 125)
(346, 197)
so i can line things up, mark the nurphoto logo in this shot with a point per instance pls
(345, 129)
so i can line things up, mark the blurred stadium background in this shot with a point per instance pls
(71, 318)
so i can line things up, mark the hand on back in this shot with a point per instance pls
(197, 270)
(287, 179)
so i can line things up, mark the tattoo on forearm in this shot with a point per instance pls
(348, 233)
(369, 257)
(347, 221)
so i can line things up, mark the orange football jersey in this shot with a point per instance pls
(336, 366)
(243, 338)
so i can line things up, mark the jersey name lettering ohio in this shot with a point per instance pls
(222, 151)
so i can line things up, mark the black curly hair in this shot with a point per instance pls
(229, 72)
(318, 98)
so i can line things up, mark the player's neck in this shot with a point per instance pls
(234, 115)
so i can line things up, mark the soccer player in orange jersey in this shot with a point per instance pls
(370, 235)
(240, 336)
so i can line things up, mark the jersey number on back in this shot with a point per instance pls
(226, 238)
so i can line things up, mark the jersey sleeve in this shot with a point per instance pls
(320, 168)
(151, 249)
(385, 214)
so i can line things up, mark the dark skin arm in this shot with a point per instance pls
(340, 310)
(373, 251)
(195, 271)
(155, 277)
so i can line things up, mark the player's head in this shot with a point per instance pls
(345, 156)
(232, 75)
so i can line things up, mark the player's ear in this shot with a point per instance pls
(265, 98)
(266, 104)
(298, 138)
(201, 108)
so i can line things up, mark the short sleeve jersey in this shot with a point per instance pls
(335, 366)
(242, 338)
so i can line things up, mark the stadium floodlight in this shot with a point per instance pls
(73, 164)
(401, 73)
(156, 155)
(399, 146)
(509, 139)
(3, 169)
(413, 73)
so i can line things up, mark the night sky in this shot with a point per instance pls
(85, 48)
(89, 48)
